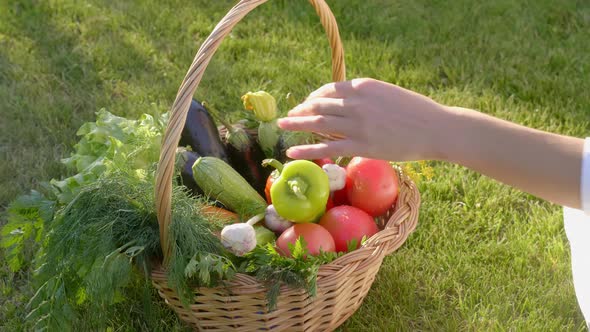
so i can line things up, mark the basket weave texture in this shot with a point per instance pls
(241, 305)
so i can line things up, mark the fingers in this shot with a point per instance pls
(319, 106)
(326, 124)
(323, 112)
(332, 90)
(329, 149)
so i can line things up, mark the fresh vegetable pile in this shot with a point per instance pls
(239, 206)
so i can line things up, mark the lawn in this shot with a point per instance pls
(484, 256)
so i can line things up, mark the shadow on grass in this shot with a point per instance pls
(49, 86)
(43, 74)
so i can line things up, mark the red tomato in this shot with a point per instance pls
(371, 185)
(271, 178)
(347, 223)
(340, 197)
(323, 161)
(314, 235)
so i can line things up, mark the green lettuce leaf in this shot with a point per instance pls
(111, 141)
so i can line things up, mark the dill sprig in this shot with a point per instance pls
(192, 235)
(418, 171)
(89, 248)
(105, 237)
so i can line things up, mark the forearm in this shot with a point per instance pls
(540, 163)
(383, 121)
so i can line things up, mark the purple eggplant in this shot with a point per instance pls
(201, 134)
(247, 160)
(186, 172)
(245, 155)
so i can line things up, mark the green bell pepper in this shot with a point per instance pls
(301, 191)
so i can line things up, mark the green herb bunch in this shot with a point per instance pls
(275, 270)
(103, 238)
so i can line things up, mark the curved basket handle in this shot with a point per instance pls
(164, 173)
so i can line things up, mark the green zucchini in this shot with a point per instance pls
(220, 181)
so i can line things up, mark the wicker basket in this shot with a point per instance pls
(242, 306)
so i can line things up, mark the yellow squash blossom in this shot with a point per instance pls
(262, 103)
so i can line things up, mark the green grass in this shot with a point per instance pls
(484, 256)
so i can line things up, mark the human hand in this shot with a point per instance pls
(374, 119)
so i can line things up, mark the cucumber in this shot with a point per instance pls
(220, 181)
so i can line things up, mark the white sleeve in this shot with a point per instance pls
(577, 229)
(585, 180)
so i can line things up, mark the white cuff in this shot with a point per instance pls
(585, 181)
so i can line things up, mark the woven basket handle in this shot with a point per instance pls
(188, 87)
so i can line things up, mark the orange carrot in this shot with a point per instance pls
(219, 214)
